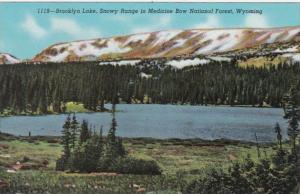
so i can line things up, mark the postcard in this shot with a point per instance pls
(149, 97)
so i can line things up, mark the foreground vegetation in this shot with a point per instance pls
(181, 161)
(175, 157)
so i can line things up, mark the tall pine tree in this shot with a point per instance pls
(66, 138)
(74, 132)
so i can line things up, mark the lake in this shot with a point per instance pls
(164, 121)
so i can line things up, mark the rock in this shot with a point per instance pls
(25, 159)
(3, 146)
(45, 162)
(135, 186)
(67, 185)
(27, 166)
(141, 190)
(10, 171)
(3, 184)
(231, 157)
(17, 166)
(31, 166)
(5, 156)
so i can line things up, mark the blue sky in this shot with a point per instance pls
(24, 32)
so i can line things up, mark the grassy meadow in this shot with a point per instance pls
(180, 160)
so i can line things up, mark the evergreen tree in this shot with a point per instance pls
(120, 147)
(84, 132)
(74, 132)
(92, 153)
(111, 147)
(290, 103)
(257, 146)
(279, 136)
(63, 162)
(292, 113)
(114, 147)
(100, 142)
(66, 137)
(293, 133)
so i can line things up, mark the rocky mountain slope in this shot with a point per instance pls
(6, 58)
(169, 43)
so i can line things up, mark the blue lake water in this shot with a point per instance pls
(165, 121)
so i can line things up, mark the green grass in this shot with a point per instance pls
(187, 159)
(70, 107)
(178, 158)
(171, 157)
(58, 182)
(36, 151)
(76, 107)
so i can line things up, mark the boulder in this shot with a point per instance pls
(3, 184)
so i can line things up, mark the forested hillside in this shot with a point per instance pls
(46, 87)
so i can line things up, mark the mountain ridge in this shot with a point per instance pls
(166, 43)
(185, 43)
(7, 58)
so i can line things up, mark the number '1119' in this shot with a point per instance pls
(44, 10)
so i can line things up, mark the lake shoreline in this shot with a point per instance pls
(195, 142)
(107, 110)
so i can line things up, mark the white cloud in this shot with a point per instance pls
(64, 25)
(159, 24)
(256, 21)
(212, 21)
(165, 21)
(32, 27)
(71, 27)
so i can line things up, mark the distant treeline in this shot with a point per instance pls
(41, 87)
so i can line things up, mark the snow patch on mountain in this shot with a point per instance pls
(187, 62)
(87, 50)
(180, 42)
(294, 56)
(144, 75)
(6, 58)
(292, 33)
(58, 58)
(112, 47)
(291, 49)
(136, 38)
(273, 37)
(123, 62)
(164, 36)
(221, 40)
(219, 58)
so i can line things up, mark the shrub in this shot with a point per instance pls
(137, 166)
(215, 182)
(61, 164)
